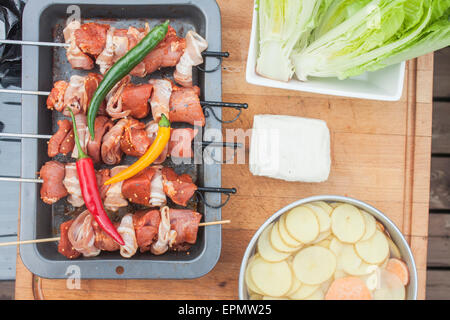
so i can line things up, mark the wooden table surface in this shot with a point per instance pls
(380, 155)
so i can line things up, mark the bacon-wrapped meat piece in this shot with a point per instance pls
(117, 43)
(114, 106)
(162, 90)
(83, 134)
(185, 223)
(63, 140)
(157, 195)
(77, 58)
(91, 38)
(103, 175)
(146, 188)
(75, 94)
(179, 188)
(72, 185)
(55, 99)
(103, 241)
(137, 188)
(64, 246)
(110, 149)
(53, 189)
(146, 225)
(135, 140)
(180, 143)
(102, 125)
(150, 230)
(81, 235)
(185, 106)
(126, 231)
(114, 198)
(166, 236)
(135, 98)
(167, 53)
(191, 57)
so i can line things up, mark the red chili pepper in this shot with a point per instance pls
(89, 189)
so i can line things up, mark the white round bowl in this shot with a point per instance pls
(394, 232)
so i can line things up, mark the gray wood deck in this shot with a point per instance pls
(438, 275)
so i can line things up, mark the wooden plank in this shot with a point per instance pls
(442, 73)
(439, 241)
(7, 290)
(440, 182)
(441, 128)
(380, 154)
(438, 285)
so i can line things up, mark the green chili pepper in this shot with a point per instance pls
(122, 67)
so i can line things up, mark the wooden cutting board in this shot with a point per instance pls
(380, 154)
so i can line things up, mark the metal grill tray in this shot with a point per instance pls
(43, 20)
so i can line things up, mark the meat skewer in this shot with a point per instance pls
(106, 44)
(149, 188)
(205, 104)
(21, 242)
(157, 231)
(180, 145)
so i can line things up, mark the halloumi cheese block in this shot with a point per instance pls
(290, 148)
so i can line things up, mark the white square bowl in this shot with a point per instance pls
(385, 84)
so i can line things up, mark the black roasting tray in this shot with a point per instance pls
(43, 20)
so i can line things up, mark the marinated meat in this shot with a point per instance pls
(146, 225)
(162, 90)
(179, 188)
(185, 106)
(191, 57)
(63, 140)
(52, 189)
(64, 245)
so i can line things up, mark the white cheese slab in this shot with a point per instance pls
(290, 148)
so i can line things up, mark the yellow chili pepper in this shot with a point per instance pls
(155, 150)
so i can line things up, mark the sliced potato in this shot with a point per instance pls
(336, 246)
(338, 274)
(371, 225)
(334, 205)
(393, 249)
(326, 285)
(251, 286)
(302, 224)
(314, 265)
(317, 295)
(303, 292)
(274, 298)
(284, 234)
(375, 250)
(390, 287)
(347, 223)
(322, 236)
(322, 217)
(325, 206)
(255, 296)
(266, 250)
(273, 278)
(324, 243)
(362, 270)
(276, 241)
(380, 226)
(348, 259)
(296, 284)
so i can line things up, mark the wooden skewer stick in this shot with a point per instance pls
(4, 244)
(13, 243)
